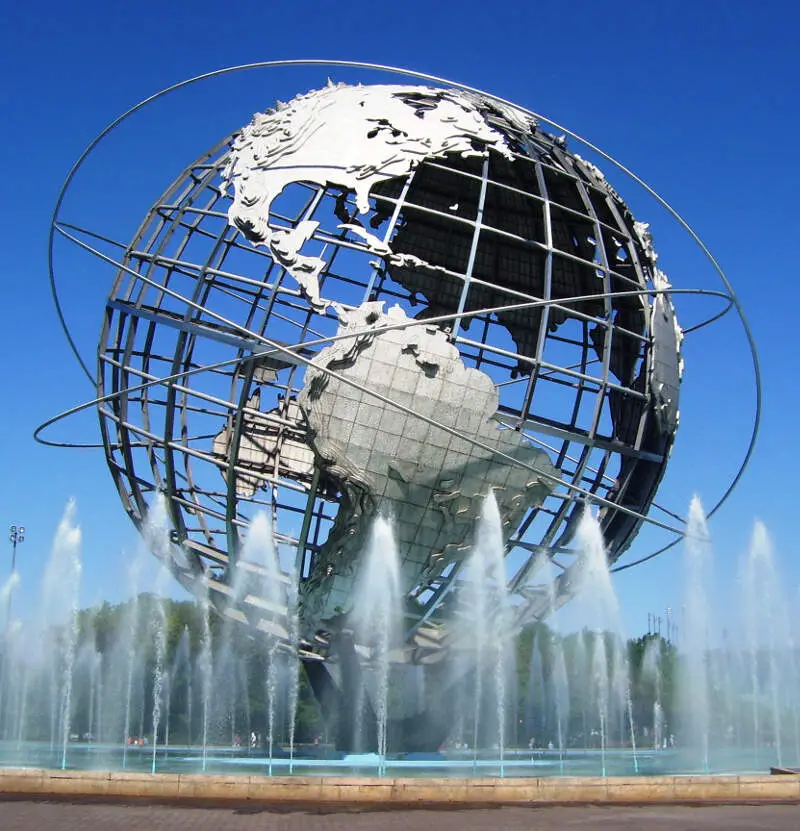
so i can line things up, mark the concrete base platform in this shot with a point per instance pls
(199, 788)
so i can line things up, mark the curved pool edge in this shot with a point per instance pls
(194, 788)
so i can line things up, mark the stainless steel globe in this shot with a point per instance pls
(399, 297)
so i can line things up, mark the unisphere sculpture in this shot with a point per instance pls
(421, 295)
(343, 328)
(414, 295)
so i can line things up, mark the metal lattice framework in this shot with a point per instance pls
(542, 280)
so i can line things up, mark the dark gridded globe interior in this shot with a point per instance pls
(572, 376)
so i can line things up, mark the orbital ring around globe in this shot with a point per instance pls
(385, 403)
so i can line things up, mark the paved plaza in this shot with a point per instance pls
(20, 815)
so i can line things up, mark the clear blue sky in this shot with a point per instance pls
(701, 98)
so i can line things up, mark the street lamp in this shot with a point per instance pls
(16, 534)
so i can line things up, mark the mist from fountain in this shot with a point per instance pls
(651, 674)
(167, 695)
(260, 554)
(535, 699)
(244, 697)
(793, 682)
(767, 638)
(205, 667)
(601, 694)
(180, 666)
(128, 636)
(85, 683)
(93, 694)
(377, 613)
(721, 690)
(142, 685)
(580, 674)
(697, 616)
(22, 710)
(7, 591)
(484, 626)
(61, 605)
(96, 703)
(610, 672)
(181, 670)
(631, 724)
(294, 664)
(159, 638)
(560, 694)
(271, 690)
(224, 668)
(156, 535)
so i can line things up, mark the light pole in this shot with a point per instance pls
(16, 534)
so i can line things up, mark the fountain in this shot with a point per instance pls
(205, 668)
(484, 628)
(271, 690)
(565, 402)
(85, 690)
(560, 694)
(128, 634)
(651, 676)
(610, 671)
(260, 564)
(601, 694)
(61, 587)
(179, 671)
(376, 621)
(156, 535)
(7, 591)
(535, 700)
(695, 692)
(769, 644)
(159, 637)
(293, 669)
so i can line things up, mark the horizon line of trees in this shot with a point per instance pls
(556, 686)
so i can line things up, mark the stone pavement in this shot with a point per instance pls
(35, 815)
